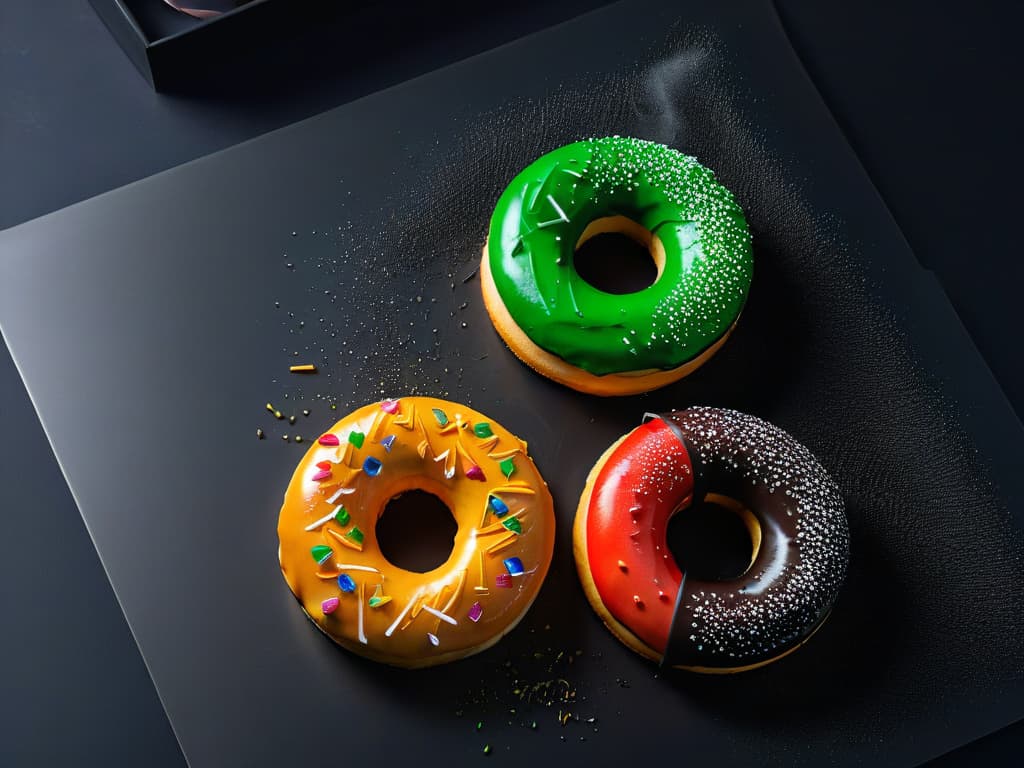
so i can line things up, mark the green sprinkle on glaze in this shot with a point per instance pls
(483, 429)
(355, 535)
(441, 416)
(513, 524)
(507, 467)
(356, 438)
(703, 283)
(487, 749)
(321, 552)
(342, 516)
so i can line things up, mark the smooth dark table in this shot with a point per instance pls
(925, 97)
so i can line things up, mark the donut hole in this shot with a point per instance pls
(715, 539)
(617, 255)
(416, 531)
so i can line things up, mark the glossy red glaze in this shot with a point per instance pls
(647, 478)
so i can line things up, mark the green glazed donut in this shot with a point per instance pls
(692, 225)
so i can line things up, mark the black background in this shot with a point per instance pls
(927, 100)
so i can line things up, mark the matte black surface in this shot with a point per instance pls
(226, 296)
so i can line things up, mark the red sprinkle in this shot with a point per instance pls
(323, 465)
(329, 439)
(390, 406)
(323, 474)
(475, 473)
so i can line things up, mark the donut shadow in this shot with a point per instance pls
(845, 663)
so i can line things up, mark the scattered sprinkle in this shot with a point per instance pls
(513, 524)
(307, 368)
(475, 473)
(323, 474)
(475, 612)
(390, 406)
(259, 434)
(622, 566)
(514, 566)
(441, 416)
(483, 429)
(355, 536)
(387, 442)
(507, 467)
(298, 438)
(341, 515)
(503, 580)
(329, 439)
(433, 639)
(372, 466)
(498, 506)
(356, 438)
(378, 598)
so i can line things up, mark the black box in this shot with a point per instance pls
(171, 48)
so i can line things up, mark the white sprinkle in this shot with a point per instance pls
(442, 616)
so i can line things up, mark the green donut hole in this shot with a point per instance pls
(616, 255)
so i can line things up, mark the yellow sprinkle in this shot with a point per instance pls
(302, 368)
(270, 408)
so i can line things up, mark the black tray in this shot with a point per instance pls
(145, 326)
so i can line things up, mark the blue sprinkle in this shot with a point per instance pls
(345, 583)
(387, 442)
(497, 505)
(372, 466)
(514, 566)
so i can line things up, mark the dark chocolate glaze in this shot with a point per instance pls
(802, 559)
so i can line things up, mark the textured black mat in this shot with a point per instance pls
(146, 325)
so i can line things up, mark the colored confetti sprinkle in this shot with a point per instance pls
(346, 583)
(433, 639)
(475, 473)
(329, 439)
(355, 535)
(378, 598)
(387, 442)
(514, 566)
(507, 467)
(372, 466)
(503, 580)
(330, 605)
(483, 429)
(487, 749)
(307, 368)
(270, 408)
(441, 416)
(390, 406)
(321, 552)
(356, 438)
(513, 524)
(498, 506)
(323, 474)
(475, 612)
(341, 515)
(324, 465)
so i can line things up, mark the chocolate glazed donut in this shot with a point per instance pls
(792, 509)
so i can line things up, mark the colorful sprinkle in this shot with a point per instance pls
(321, 552)
(372, 466)
(441, 615)
(324, 465)
(387, 442)
(390, 406)
(330, 605)
(339, 493)
(355, 536)
(378, 598)
(483, 429)
(475, 612)
(498, 506)
(329, 439)
(503, 580)
(346, 583)
(487, 749)
(307, 368)
(514, 566)
(475, 473)
(441, 416)
(507, 467)
(356, 438)
(323, 474)
(513, 524)
(341, 515)
(622, 566)
(433, 639)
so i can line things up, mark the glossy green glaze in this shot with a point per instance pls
(708, 258)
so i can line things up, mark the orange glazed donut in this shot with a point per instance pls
(501, 553)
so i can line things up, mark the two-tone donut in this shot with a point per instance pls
(791, 506)
(333, 563)
(585, 338)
